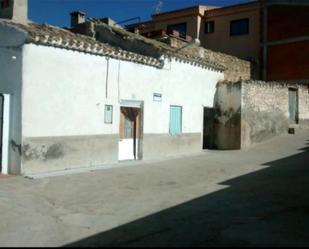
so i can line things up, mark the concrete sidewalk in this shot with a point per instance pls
(255, 197)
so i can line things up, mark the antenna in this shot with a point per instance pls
(131, 19)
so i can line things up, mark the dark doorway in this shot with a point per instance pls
(130, 133)
(208, 128)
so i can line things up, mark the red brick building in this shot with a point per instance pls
(285, 44)
(272, 34)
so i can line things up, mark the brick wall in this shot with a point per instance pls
(236, 69)
(287, 21)
(288, 61)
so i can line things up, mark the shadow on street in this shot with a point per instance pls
(269, 207)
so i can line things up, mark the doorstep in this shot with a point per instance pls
(3, 176)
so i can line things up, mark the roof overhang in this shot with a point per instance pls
(11, 36)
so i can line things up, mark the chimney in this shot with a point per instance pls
(77, 17)
(14, 9)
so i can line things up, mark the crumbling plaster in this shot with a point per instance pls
(249, 112)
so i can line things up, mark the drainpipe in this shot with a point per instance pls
(106, 80)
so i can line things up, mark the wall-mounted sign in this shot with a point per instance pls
(157, 97)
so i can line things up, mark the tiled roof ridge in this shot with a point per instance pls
(49, 35)
(165, 49)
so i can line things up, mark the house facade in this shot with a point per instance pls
(75, 102)
(264, 32)
(94, 95)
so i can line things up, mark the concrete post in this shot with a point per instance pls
(14, 9)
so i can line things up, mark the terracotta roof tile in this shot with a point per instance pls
(57, 37)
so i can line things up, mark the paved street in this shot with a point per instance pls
(255, 197)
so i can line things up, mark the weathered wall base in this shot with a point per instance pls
(265, 110)
(47, 154)
(250, 112)
(257, 127)
(163, 145)
(227, 126)
(59, 153)
(304, 123)
(228, 133)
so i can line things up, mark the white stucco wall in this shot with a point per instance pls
(64, 92)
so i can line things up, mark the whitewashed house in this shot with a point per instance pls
(71, 101)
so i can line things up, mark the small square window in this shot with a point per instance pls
(209, 27)
(108, 119)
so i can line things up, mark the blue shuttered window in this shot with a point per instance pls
(175, 119)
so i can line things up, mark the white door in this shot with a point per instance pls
(126, 144)
(129, 133)
(4, 132)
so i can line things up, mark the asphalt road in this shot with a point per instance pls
(255, 197)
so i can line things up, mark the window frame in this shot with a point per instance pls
(212, 29)
(239, 21)
(178, 24)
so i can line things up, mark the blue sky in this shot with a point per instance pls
(56, 12)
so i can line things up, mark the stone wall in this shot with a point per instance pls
(303, 106)
(265, 110)
(227, 120)
(236, 69)
(250, 112)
